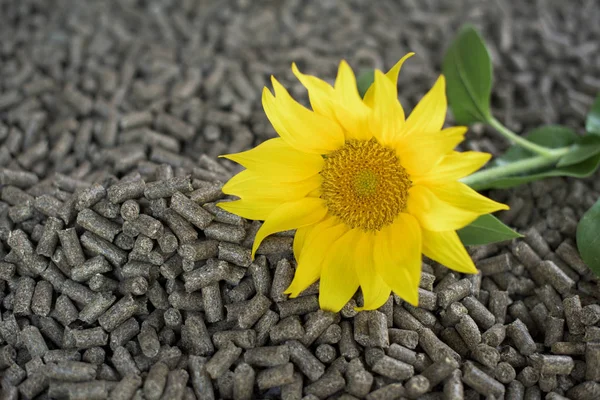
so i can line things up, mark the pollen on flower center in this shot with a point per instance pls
(364, 184)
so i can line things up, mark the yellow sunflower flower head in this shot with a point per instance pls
(367, 190)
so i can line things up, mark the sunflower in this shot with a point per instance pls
(368, 190)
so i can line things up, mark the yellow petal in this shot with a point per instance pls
(291, 215)
(318, 243)
(435, 214)
(429, 114)
(392, 75)
(338, 276)
(383, 120)
(461, 196)
(299, 127)
(452, 167)
(375, 291)
(419, 154)
(255, 209)
(280, 160)
(447, 249)
(251, 185)
(398, 257)
(320, 93)
(350, 111)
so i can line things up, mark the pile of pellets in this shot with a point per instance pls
(120, 277)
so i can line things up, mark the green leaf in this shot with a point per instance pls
(364, 81)
(592, 123)
(588, 238)
(468, 72)
(580, 170)
(551, 136)
(585, 148)
(486, 229)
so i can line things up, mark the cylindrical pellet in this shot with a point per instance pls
(222, 360)
(521, 337)
(481, 382)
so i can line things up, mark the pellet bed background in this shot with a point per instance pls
(119, 277)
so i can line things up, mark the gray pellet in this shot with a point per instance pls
(237, 255)
(94, 309)
(176, 383)
(434, 347)
(98, 246)
(77, 292)
(528, 376)
(592, 360)
(35, 384)
(224, 232)
(222, 360)
(326, 353)
(327, 385)
(195, 337)
(571, 256)
(94, 355)
(316, 324)
(130, 210)
(498, 305)
(480, 314)
(284, 273)
(191, 211)
(406, 338)
(93, 266)
(47, 243)
(306, 362)
(64, 310)
(125, 308)
(33, 341)
(84, 338)
(126, 388)
(126, 190)
(213, 304)
(481, 382)
(200, 379)
(71, 371)
(254, 309)
(148, 340)
(495, 265)
(469, 331)
(402, 353)
(71, 247)
(440, 370)
(275, 376)
(7, 356)
(184, 231)
(521, 337)
(199, 250)
(556, 277)
(392, 368)
(167, 187)
(24, 291)
(554, 331)
(90, 196)
(453, 387)
(156, 380)
(573, 309)
(123, 362)
(268, 356)
(486, 355)
(417, 386)
(455, 292)
(243, 382)
(288, 328)
(590, 314)
(550, 364)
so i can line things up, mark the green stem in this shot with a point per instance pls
(481, 179)
(521, 141)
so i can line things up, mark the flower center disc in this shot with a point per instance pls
(364, 184)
